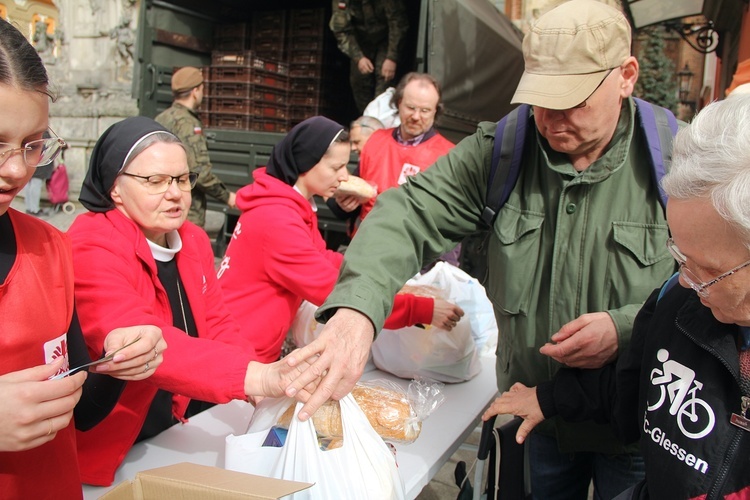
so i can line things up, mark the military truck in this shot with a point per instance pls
(472, 49)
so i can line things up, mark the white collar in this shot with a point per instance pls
(313, 205)
(166, 254)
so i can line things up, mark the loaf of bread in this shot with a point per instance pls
(388, 411)
(423, 291)
(356, 186)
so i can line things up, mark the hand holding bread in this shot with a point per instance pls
(358, 187)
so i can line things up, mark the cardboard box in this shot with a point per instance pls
(188, 481)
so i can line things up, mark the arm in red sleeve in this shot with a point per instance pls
(409, 310)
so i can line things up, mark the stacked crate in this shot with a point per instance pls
(269, 34)
(246, 92)
(272, 73)
(269, 46)
(306, 42)
(232, 37)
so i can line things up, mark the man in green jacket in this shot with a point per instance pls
(572, 255)
(372, 34)
(182, 120)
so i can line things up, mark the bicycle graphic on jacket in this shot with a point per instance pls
(694, 416)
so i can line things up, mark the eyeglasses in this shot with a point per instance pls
(583, 104)
(689, 276)
(35, 153)
(426, 112)
(159, 183)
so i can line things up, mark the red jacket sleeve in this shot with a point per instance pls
(409, 310)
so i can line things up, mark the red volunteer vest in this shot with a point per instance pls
(387, 164)
(36, 304)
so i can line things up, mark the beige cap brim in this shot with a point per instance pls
(556, 91)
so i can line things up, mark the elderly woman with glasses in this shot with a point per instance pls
(40, 336)
(137, 260)
(683, 386)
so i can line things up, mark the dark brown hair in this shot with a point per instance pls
(398, 95)
(20, 64)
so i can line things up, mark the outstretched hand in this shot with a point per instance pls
(342, 350)
(522, 402)
(589, 341)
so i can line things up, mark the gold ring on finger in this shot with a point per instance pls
(49, 432)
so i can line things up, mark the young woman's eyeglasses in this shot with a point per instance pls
(35, 153)
(159, 183)
(700, 287)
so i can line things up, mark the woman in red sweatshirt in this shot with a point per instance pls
(277, 258)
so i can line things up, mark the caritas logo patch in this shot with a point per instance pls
(56, 348)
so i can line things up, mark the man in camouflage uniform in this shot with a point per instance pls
(371, 33)
(182, 120)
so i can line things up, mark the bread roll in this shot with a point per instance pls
(423, 291)
(388, 411)
(356, 186)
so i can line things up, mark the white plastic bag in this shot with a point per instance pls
(431, 352)
(464, 290)
(447, 356)
(305, 328)
(381, 108)
(363, 467)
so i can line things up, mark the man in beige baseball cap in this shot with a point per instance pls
(182, 120)
(571, 256)
(569, 51)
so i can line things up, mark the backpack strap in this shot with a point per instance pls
(659, 126)
(668, 285)
(510, 137)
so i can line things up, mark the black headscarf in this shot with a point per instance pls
(108, 158)
(302, 148)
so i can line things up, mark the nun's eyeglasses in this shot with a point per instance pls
(35, 153)
(159, 183)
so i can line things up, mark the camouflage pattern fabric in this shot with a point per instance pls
(375, 29)
(186, 125)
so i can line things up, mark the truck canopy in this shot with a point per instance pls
(470, 47)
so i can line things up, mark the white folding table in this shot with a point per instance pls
(201, 440)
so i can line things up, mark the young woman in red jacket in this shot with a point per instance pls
(137, 260)
(277, 257)
(40, 336)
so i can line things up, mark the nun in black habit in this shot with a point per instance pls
(277, 258)
(137, 260)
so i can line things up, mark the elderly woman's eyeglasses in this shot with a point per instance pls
(700, 287)
(35, 153)
(159, 183)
